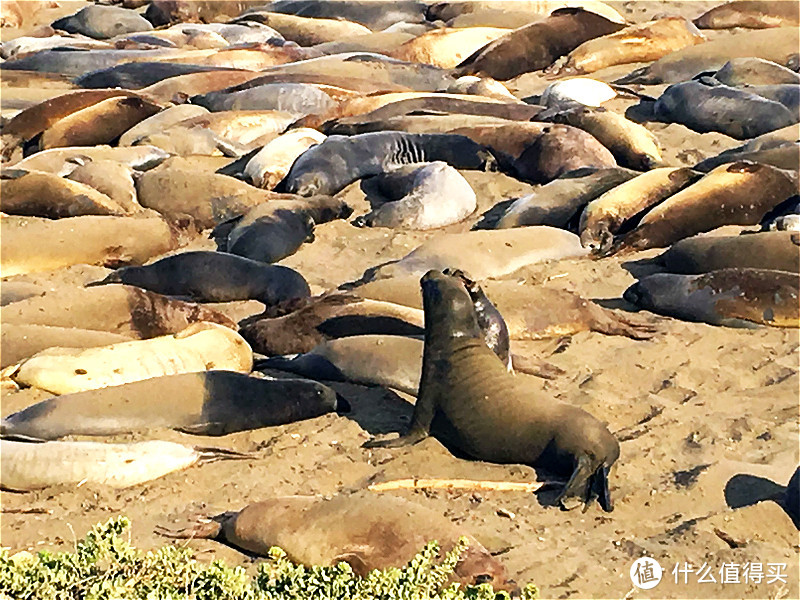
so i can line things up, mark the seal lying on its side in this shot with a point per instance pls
(492, 414)
(365, 530)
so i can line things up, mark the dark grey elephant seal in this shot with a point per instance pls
(784, 217)
(339, 161)
(103, 22)
(493, 415)
(300, 98)
(730, 297)
(754, 71)
(705, 105)
(137, 75)
(778, 250)
(375, 15)
(208, 403)
(214, 277)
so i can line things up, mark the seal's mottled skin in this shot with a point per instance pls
(731, 297)
(753, 14)
(214, 277)
(494, 417)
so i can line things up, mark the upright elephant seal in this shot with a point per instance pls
(365, 530)
(753, 14)
(732, 194)
(214, 277)
(208, 403)
(339, 161)
(730, 297)
(493, 416)
(537, 45)
(777, 250)
(421, 197)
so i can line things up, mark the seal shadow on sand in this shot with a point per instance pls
(745, 490)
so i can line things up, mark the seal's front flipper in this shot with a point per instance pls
(409, 439)
(598, 484)
(576, 491)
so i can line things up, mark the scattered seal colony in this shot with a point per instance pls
(217, 218)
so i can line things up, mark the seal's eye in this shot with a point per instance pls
(483, 578)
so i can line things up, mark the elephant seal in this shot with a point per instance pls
(737, 297)
(103, 22)
(160, 121)
(119, 309)
(776, 45)
(783, 155)
(62, 161)
(483, 254)
(446, 47)
(481, 86)
(632, 145)
(18, 341)
(199, 347)
(338, 161)
(420, 197)
(560, 149)
(112, 178)
(270, 165)
(306, 31)
(365, 530)
(277, 229)
(41, 194)
(164, 12)
(214, 277)
(607, 214)
(209, 403)
(299, 99)
(537, 45)
(643, 42)
(32, 244)
(180, 88)
(376, 16)
(754, 71)
(732, 194)
(558, 202)
(705, 105)
(753, 14)
(464, 382)
(580, 90)
(777, 250)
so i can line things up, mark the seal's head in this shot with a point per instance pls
(449, 310)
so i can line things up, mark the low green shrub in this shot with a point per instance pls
(105, 566)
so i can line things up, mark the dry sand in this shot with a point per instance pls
(692, 408)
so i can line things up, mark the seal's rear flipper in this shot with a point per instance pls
(111, 278)
(208, 530)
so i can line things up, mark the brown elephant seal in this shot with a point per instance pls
(753, 14)
(365, 530)
(446, 47)
(731, 297)
(777, 250)
(120, 309)
(754, 71)
(733, 194)
(306, 31)
(210, 403)
(560, 149)
(537, 45)
(560, 201)
(492, 414)
(214, 277)
(32, 244)
(643, 42)
(606, 215)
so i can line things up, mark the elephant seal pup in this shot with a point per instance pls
(493, 415)
(208, 403)
(277, 229)
(733, 194)
(537, 45)
(643, 42)
(776, 250)
(776, 45)
(754, 71)
(424, 197)
(560, 149)
(120, 309)
(339, 161)
(41, 194)
(214, 277)
(730, 297)
(366, 530)
(557, 203)
(607, 214)
(32, 244)
(632, 145)
(704, 105)
(199, 347)
(270, 165)
(753, 14)
(483, 254)
(103, 22)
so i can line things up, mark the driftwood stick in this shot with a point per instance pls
(458, 484)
